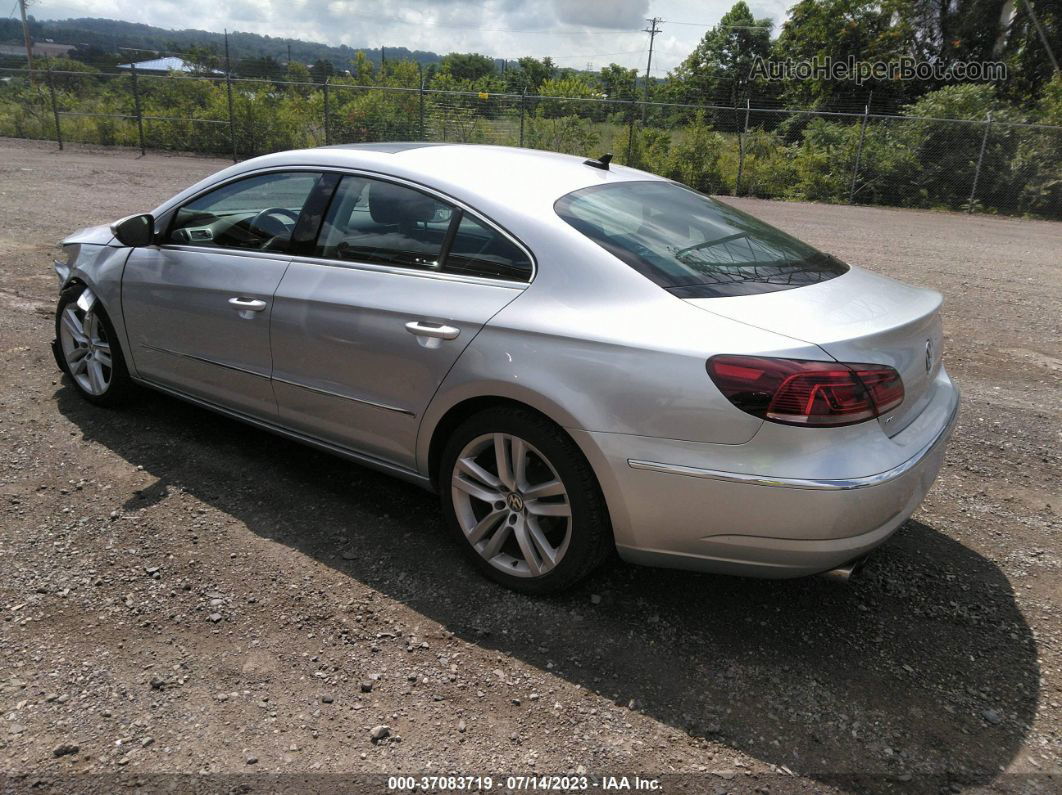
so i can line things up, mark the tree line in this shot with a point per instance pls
(711, 124)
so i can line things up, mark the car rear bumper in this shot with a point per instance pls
(713, 518)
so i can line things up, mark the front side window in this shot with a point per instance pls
(257, 213)
(691, 245)
(381, 223)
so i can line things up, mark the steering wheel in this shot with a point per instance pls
(268, 222)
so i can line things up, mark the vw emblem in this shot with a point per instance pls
(515, 502)
(929, 355)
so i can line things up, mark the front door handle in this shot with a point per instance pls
(252, 304)
(422, 328)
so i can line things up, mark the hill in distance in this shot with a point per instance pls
(111, 35)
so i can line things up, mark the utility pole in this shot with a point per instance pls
(652, 30)
(228, 92)
(289, 54)
(26, 37)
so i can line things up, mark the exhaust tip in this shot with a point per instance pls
(846, 572)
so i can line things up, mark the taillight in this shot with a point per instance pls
(796, 392)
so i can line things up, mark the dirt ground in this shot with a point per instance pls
(182, 595)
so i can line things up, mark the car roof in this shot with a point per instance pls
(487, 176)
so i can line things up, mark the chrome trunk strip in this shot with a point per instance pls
(844, 484)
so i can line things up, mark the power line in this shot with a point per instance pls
(491, 30)
(600, 54)
(731, 27)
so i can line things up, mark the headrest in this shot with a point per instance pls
(392, 204)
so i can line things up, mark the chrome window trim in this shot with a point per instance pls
(250, 253)
(842, 484)
(398, 270)
(352, 171)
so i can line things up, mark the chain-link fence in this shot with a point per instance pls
(980, 166)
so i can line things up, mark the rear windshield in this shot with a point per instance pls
(692, 245)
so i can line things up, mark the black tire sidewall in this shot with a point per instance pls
(591, 534)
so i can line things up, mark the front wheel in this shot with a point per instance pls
(523, 501)
(87, 350)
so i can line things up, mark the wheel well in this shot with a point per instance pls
(458, 414)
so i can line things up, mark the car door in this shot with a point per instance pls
(197, 306)
(365, 330)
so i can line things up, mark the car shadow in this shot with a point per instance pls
(918, 674)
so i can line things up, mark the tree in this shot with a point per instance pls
(848, 30)
(468, 65)
(618, 82)
(718, 71)
(267, 67)
(529, 74)
(204, 59)
(362, 69)
(949, 152)
(995, 30)
(322, 70)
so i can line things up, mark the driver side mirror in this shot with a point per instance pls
(136, 230)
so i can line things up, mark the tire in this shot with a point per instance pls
(87, 350)
(512, 521)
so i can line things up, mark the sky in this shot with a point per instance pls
(573, 32)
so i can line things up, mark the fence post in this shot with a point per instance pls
(859, 154)
(523, 112)
(55, 109)
(741, 147)
(232, 115)
(420, 68)
(327, 124)
(980, 159)
(136, 106)
(630, 135)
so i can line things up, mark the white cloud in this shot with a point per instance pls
(602, 13)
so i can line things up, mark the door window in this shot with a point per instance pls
(258, 213)
(384, 224)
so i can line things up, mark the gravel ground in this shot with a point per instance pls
(181, 595)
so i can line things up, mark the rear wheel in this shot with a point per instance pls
(523, 501)
(88, 350)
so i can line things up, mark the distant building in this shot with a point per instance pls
(165, 65)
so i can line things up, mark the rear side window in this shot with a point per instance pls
(478, 250)
(691, 245)
(384, 224)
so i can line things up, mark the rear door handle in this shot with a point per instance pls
(422, 328)
(252, 304)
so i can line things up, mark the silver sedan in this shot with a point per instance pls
(579, 357)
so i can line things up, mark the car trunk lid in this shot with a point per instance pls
(857, 318)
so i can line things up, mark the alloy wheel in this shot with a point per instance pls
(86, 349)
(511, 504)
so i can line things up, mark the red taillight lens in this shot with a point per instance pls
(797, 392)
